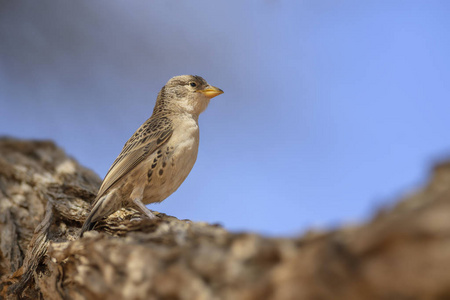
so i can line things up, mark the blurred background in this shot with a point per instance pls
(332, 109)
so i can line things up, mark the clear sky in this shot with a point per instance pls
(332, 109)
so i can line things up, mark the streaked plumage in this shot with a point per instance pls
(159, 155)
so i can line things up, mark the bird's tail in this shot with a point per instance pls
(103, 207)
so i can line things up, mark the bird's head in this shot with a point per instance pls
(186, 93)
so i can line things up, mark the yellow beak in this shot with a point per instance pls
(211, 92)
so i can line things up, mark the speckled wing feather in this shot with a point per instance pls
(146, 140)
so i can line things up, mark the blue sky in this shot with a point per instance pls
(331, 109)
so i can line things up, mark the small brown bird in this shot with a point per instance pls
(159, 155)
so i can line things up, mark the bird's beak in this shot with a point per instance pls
(211, 91)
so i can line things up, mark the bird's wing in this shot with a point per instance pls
(146, 140)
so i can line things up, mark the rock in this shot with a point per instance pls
(403, 253)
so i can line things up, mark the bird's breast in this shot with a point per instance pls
(179, 156)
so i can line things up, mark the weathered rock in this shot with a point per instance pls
(403, 253)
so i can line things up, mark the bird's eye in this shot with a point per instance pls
(193, 84)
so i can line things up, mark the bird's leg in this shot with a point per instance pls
(141, 207)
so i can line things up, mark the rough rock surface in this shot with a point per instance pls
(403, 253)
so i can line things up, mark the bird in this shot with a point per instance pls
(159, 156)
